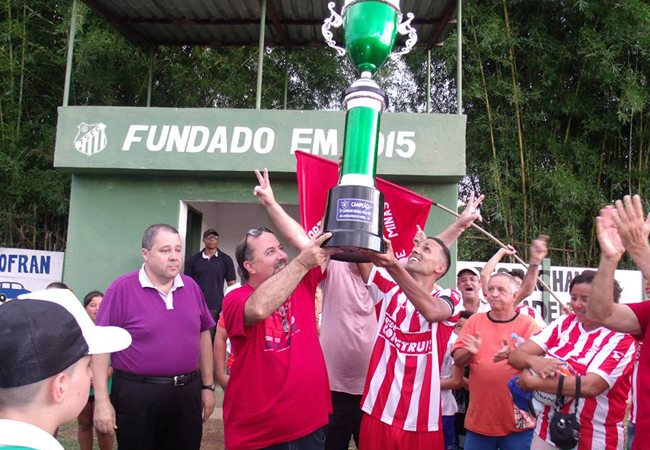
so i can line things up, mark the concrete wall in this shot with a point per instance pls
(109, 213)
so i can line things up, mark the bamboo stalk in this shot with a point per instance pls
(502, 245)
(520, 139)
(497, 179)
(22, 72)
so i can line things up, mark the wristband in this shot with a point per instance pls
(210, 387)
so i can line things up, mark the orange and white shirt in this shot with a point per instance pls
(606, 353)
(403, 382)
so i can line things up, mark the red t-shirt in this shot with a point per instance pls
(642, 311)
(278, 389)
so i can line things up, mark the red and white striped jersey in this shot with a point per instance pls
(525, 310)
(634, 405)
(606, 353)
(403, 383)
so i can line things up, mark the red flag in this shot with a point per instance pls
(403, 209)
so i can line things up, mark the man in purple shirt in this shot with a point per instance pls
(163, 387)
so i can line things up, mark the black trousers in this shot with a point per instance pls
(157, 417)
(345, 421)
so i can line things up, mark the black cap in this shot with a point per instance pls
(209, 232)
(46, 333)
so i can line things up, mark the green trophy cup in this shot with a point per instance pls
(355, 207)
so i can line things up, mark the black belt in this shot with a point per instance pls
(178, 380)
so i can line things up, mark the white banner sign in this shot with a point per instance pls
(630, 280)
(23, 271)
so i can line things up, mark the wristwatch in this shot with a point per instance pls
(212, 387)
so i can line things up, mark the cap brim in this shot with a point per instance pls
(107, 339)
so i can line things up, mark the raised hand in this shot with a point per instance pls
(538, 249)
(313, 254)
(608, 237)
(471, 212)
(263, 191)
(630, 223)
(508, 251)
(419, 235)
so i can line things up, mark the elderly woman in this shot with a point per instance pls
(603, 359)
(484, 343)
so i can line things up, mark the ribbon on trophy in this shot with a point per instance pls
(403, 209)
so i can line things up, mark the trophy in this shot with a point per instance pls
(355, 207)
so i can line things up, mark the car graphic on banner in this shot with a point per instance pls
(11, 289)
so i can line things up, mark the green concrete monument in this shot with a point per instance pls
(355, 207)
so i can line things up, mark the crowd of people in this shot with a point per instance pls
(313, 352)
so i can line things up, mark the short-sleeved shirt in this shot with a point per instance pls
(491, 410)
(601, 351)
(278, 389)
(348, 327)
(210, 274)
(449, 405)
(166, 333)
(642, 312)
(22, 435)
(403, 382)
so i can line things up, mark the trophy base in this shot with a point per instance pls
(355, 217)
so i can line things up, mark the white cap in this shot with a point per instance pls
(99, 339)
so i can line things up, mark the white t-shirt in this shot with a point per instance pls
(449, 405)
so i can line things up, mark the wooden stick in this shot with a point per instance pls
(501, 244)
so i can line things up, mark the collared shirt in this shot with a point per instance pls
(21, 434)
(168, 298)
(216, 255)
(166, 342)
(210, 273)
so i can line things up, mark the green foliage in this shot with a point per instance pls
(556, 98)
(581, 90)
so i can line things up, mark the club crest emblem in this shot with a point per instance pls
(91, 138)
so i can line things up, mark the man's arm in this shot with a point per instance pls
(220, 356)
(206, 363)
(491, 265)
(274, 291)
(601, 308)
(432, 309)
(104, 415)
(538, 252)
(464, 221)
(470, 344)
(591, 385)
(288, 227)
(456, 380)
(529, 355)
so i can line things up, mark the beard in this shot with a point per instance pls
(278, 266)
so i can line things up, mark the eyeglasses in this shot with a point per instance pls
(211, 238)
(253, 232)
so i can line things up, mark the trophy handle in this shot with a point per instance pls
(405, 28)
(335, 21)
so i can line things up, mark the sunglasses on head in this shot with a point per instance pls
(255, 232)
